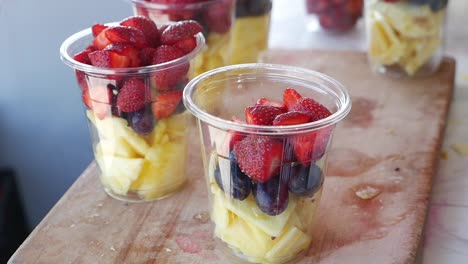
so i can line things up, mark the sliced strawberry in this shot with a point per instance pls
(146, 56)
(167, 79)
(109, 59)
(97, 29)
(311, 147)
(265, 101)
(101, 41)
(186, 45)
(313, 108)
(291, 98)
(262, 114)
(133, 95)
(81, 76)
(83, 57)
(259, 157)
(98, 99)
(90, 48)
(128, 51)
(147, 26)
(291, 118)
(122, 34)
(179, 31)
(166, 103)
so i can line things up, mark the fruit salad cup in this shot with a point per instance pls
(405, 37)
(265, 173)
(251, 30)
(216, 17)
(135, 113)
(333, 15)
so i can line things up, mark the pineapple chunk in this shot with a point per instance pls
(421, 52)
(410, 20)
(114, 127)
(158, 132)
(247, 238)
(306, 211)
(249, 211)
(177, 126)
(164, 170)
(116, 147)
(288, 245)
(385, 46)
(118, 173)
(220, 215)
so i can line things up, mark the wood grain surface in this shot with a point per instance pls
(390, 142)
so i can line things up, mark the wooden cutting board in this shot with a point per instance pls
(389, 142)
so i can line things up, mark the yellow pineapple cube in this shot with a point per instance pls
(290, 243)
(116, 147)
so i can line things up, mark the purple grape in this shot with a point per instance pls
(240, 184)
(272, 196)
(303, 181)
(142, 121)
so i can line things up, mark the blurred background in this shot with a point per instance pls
(44, 141)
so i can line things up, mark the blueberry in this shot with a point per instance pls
(437, 5)
(239, 184)
(252, 7)
(420, 2)
(303, 181)
(272, 196)
(142, 121)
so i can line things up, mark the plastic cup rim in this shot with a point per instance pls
(344, 106)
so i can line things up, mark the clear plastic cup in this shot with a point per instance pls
(251, 30)
(141, 155)
(405, 38)
(268, 222)
(216, 17)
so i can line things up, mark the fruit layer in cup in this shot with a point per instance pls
(265, 189)
(336, 15)
(137, 120)
(405, 34)
(251, 30)
(216, 18)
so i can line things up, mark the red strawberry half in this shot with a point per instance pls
(167, 79)
(311, 107)
(186, 45)
(98, 99)
(265, 101)
(147, 26)
(261, 114)
(108, 59)
(133, 95)
(179, 31)
(101, 41)
(291, 118)
(166, 103)
(127, 50)
(311, 147)
(291, 98)
(259, 157)
(97, 29)
(122, 34)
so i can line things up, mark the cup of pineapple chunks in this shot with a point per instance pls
(264, 177)
(141, 153)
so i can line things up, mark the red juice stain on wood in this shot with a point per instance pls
(188, 244)
(345, 218)
(349, 162)
(361, 113)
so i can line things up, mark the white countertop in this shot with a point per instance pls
(446, 231)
